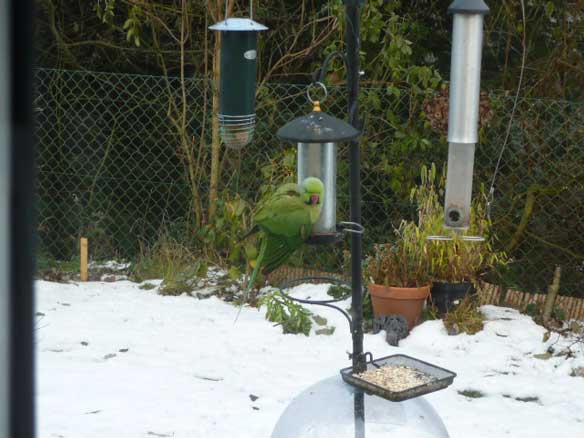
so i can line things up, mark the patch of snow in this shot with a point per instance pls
(111, 265)
(183, 368)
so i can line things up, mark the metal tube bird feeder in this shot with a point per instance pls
(317, 135)
(463, 115)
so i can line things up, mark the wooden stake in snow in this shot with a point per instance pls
(550, 299)
(83, 258)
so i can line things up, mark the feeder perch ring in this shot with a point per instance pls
(326, 303)
(464, 238)
(321, 85)
(351, 227)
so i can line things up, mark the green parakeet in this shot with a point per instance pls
(284, 221)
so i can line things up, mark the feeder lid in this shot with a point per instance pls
(317, 127)
(238, 25)
(468, 7)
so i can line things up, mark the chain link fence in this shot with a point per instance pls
(111, 168)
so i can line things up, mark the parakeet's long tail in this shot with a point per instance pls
(256, 269)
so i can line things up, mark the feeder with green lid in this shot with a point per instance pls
(238, 80)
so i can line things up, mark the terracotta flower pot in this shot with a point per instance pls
(406, 301)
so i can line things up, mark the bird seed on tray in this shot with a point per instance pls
(395, 378)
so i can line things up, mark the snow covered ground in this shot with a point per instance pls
(117, 361)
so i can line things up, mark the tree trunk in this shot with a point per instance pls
(215, 139)
(550, 299)
(526, 216)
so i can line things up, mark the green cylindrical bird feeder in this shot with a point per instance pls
(238, 80)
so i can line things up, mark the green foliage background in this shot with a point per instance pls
(110, 167)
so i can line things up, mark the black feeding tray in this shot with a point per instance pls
(441, 378)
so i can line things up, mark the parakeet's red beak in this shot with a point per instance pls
(314, 199)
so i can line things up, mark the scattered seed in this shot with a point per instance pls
(395, 378)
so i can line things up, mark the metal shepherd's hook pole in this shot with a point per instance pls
(352, 17)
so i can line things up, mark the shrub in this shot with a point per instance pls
(171, 261)
(403, 263)
(290, 315)
(466, 318)
(453, 261)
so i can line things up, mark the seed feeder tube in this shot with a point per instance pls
(459, 185)
(317, 135)
(463, 114)
(320, 160)
(238, 80)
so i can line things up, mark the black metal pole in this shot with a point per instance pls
(352, 16)
(359, 409)
(22, 414)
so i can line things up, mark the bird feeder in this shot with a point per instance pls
(317, 135)
(463, 114)
(238, 80)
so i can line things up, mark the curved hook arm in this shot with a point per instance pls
(325, 303)
(319, 74)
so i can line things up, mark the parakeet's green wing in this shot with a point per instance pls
(278, 250)
(285, 213)
(285, 220)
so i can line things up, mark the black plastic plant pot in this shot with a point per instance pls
(447, 296)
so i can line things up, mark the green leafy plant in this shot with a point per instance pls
(430, 313)
(535, 310)
(472, 393)
(219, 240)
(147, 286)
(403, 263)
(133, 25)
(456, 260)
(168, 259)
(338, 292)
(290, 315)
(465, 318)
